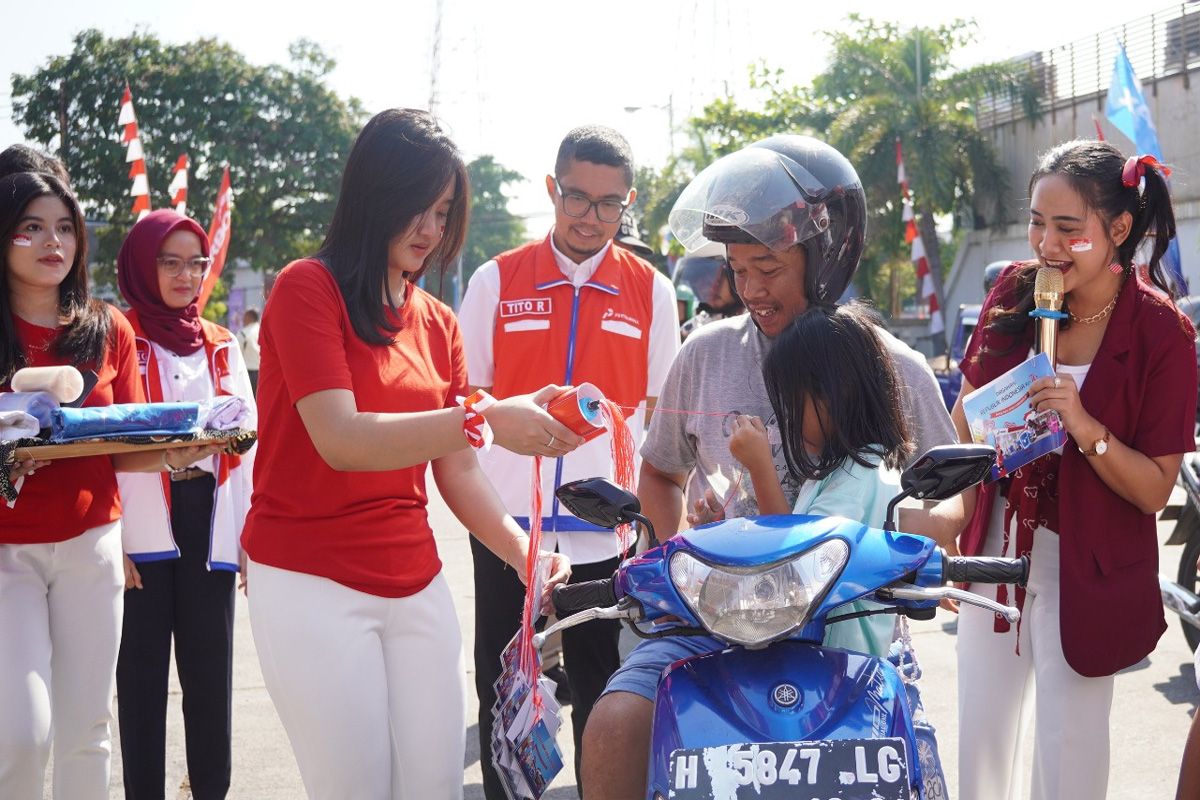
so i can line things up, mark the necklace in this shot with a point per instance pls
(1099, 315)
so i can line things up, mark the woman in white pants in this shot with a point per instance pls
(1126, 394)
(360, 385)
(61, 576)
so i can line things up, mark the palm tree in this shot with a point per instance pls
(883, 84)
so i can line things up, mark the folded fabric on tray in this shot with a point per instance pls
(39, 405)
(223, 413)
(16, 425)
(124, 419)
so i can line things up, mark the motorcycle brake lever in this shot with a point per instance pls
(909, 592)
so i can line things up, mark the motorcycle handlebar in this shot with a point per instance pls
(980, 569)
(571, 598)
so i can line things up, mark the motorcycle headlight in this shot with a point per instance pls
(757, 605)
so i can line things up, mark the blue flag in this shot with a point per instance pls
(1126, 109)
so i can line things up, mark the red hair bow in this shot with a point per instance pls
(1135, 169)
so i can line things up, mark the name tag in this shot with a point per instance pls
(538, 306)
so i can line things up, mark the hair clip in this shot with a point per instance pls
(1135, 169)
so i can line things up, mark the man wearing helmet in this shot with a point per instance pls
(790, 211)
(705, 275)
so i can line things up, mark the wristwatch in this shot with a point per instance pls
(1099, 447)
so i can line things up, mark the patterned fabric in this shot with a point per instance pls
(1032, 500)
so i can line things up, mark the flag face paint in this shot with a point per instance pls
(21, 240)
(1079, 245)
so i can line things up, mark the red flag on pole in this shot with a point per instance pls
(218, 238)
(178, 187)
(140, 190)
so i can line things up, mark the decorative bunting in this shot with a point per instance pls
(920, 261)
(218, 238)
(179, 185)
(140, 190)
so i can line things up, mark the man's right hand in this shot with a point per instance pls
(706, 510)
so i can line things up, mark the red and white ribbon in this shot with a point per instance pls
(134, 157)
(475, 426)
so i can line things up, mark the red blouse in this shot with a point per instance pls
(1142, 386)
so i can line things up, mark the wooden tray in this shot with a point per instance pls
(235, 441)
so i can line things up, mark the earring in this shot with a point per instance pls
(1115, 268)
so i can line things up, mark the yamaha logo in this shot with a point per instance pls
(785, 695)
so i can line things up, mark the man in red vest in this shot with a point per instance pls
(569, 309)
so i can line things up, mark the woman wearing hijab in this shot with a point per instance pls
(182, 526)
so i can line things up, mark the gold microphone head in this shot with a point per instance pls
(1048, 289)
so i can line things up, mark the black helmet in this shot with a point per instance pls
(629, 238)
(780, 192)
(705, 273)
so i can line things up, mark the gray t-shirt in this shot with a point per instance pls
(718, 373)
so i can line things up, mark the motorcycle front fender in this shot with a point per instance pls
(787, 692)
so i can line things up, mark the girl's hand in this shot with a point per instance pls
(133, 578)
(749, 444)
(22, 468)
(560, 572)
(708, 509)
(521, 424)
(1062, 395)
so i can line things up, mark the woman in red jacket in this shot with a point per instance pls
(1126, 392)
(360, 381)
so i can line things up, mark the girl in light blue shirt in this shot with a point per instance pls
(835, 396)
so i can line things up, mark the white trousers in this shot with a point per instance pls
(60, 630)
(1000, 691)
(371, 690)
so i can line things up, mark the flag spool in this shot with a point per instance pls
(578, 407)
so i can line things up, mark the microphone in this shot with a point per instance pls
(1048, 301)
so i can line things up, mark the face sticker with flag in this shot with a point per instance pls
(21, 240)
(1083, 245)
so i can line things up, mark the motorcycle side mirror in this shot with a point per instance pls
(600, 502)
(941, 473)
(948, 469)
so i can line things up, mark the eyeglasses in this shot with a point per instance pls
(576, 205)
(174, 265)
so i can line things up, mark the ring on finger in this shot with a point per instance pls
(551, 442)
(1058, 383)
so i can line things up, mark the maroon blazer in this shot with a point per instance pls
(1142, 385)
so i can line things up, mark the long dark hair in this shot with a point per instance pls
(834, 356)
(400, 164)
(1094, 170)
(86, 321)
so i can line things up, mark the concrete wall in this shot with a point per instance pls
(1175, 105)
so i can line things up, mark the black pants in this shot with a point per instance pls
(589, 651)
(180, 596)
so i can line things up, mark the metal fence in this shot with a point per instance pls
(1162, 44)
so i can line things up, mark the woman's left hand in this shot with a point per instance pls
(1062, 395)
(560, 572)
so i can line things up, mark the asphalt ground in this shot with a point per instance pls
(1152, 707)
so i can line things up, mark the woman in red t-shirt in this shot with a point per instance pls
(360, 377)
(61, 576)
(1126, 393)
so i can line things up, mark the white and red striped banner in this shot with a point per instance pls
(179, 185)
(140, 189)
(218, 238)
(912, 236)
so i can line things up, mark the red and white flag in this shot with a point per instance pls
(218, 238)
(140, 190)
(920, 261)
(178, 187)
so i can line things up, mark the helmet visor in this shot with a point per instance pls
(754, 192)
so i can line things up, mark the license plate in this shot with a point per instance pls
(838, 769)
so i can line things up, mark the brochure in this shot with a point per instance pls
(1001, 415)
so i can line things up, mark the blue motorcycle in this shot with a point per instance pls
(776, 714)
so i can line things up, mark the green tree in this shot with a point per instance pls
(281, 130)
(881, 83)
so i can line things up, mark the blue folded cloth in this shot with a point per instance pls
(124, 419)
(39, 405)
